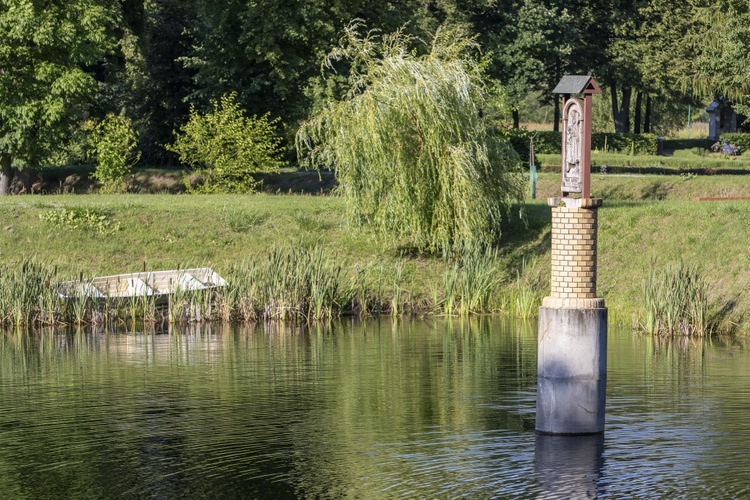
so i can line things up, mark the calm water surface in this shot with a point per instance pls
(364, 410)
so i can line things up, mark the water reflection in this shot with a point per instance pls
(422, 408)
(354, 410)
(569, 466)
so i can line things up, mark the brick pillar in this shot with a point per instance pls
(574, 235)
(572, 355)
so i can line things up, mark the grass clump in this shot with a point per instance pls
(525, 294)
(242, 221)
(676, 301)
(290, 283)
(469, 285)
(26, 295)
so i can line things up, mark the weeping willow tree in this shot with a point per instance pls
(412, 144)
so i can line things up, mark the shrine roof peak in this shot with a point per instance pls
(577, 84)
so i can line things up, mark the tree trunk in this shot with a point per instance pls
(556, 124)
(555, 97)
(6, 174)
(613, 101)
(647, 121)
(516, 119)
(621, 113)
(637, 118)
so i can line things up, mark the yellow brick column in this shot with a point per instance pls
(574, 235)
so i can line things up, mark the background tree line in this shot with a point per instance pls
(65, 66)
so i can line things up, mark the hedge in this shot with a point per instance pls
(545, 142)
(740, 139)
(634, 144)
(549, 142)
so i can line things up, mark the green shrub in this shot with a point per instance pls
(113, 142)
(227, 148)
(740, 139)
(548, 142)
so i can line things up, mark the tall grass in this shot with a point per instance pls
(25, 295)
(469, 284)
(676, 301)
(291, 283)
(525, 294)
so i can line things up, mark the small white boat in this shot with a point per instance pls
(159, 284)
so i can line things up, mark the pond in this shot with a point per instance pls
(422, 408)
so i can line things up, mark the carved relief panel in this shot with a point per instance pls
(572, 151)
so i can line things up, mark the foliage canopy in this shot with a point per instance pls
(411, 143)
(45, 50)
(721, 41)
(44, 47)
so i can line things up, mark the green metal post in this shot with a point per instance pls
(687, 131)
(532, 170)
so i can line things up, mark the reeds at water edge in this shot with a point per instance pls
(469, 284)
(676, 301)
(292, 283)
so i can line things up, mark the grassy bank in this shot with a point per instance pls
(100, 235)
(246, 239)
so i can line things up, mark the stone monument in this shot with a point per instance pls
(572, 355)
(721, 118)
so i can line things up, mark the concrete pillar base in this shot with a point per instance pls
(571, 371)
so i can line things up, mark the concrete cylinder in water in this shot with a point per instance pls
(571, 371)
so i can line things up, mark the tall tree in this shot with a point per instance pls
(538, 41)
(45, 87)
(270, 51)
(618, 69)
(145, 78)
(720, 35)
(265, 50)
(661, 58)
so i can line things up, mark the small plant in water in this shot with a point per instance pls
(526, 290)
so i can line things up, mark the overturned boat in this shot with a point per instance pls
(157, 284)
